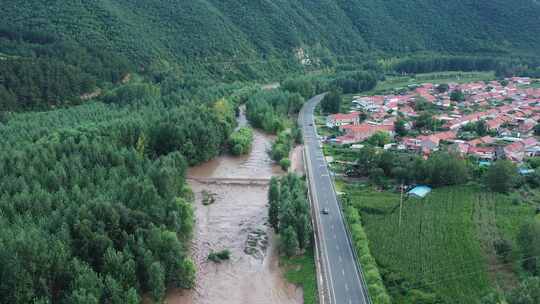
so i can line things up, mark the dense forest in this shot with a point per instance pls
(94, 207)
(39, 70)
(211, 29)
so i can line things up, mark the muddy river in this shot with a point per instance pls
(233, 215)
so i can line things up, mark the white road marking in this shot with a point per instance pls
(346, 287)
(343, 272)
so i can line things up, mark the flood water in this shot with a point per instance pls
(237, 221)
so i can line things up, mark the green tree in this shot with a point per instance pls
(386, 162)
(442, 88)
(366, 160)
(285, 163)
(481, 128)
(425, 121)
(529, 243)
(457, 95)
(113, 292)
(527, 293)
(400, 127)
(274, 201)
(241, 140)
(331, 102)
(302, 86)
(156, 281)
(289, 241)
(132, 297)
(537, 130)
(443, 169)
(379, 139)
(501, 176)
(86, 286)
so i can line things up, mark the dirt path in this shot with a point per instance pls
(297, 160)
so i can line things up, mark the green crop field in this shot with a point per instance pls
(445, 242)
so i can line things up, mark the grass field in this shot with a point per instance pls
(300, 271)
(445, 242)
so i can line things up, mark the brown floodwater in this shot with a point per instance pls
(237, 221)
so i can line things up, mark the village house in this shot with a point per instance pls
(338, 120)
(483, 153)
(517, 151)
(481, 141)
(363, 131)
(460, 148)
(427, 143)
(512, 111)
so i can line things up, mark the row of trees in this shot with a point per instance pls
(289, 213)
(355, 82)
(282, 146)
(427, 64)
(440, 169)
(269, 110)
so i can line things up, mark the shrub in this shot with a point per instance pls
(371, 271)
(218, 257)
(285, 163)
(240, 141)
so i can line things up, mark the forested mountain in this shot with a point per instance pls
(54, 52)
(191, 30)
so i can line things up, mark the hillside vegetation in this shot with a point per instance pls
(56, 53)
(230, 28)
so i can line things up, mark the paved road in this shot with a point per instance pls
(341, 277)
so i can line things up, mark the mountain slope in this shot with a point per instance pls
(233, 28)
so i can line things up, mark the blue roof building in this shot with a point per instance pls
(419, 191)
(484, 163)
(525, 171)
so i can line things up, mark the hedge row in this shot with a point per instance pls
(373, 278)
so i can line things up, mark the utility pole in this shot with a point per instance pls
(400, 203)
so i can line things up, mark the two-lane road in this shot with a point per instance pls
(341, 276)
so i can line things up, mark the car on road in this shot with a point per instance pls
(325, 211)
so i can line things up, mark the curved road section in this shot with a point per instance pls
(340, 276)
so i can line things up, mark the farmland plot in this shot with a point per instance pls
(445, 242)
